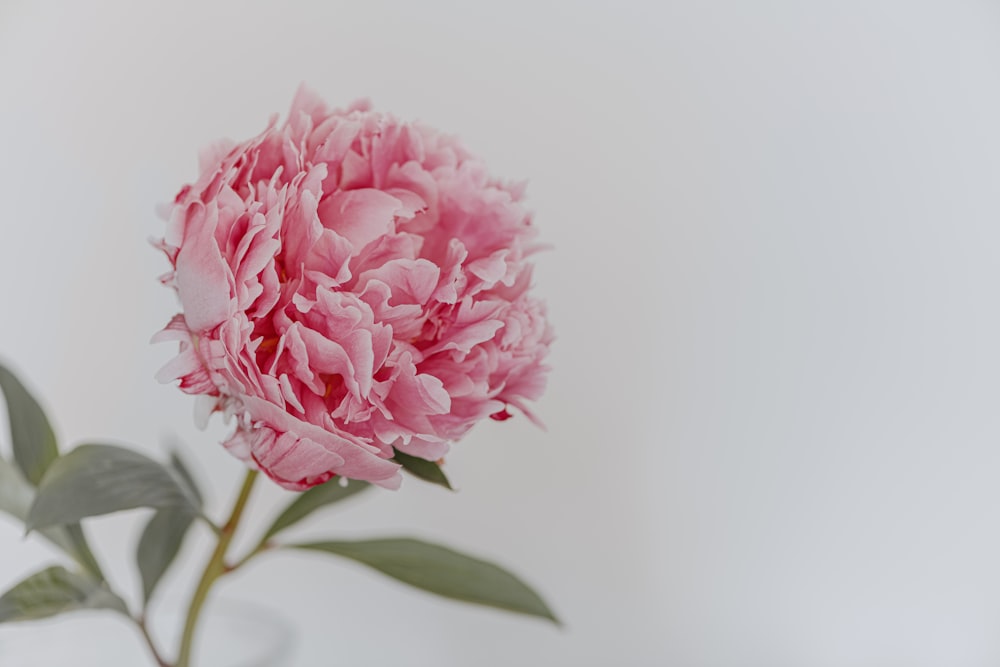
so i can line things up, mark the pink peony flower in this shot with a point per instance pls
(351, 285)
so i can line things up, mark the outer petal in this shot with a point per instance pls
(346, 456)
(202, 275)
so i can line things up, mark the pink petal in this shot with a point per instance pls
(202, 275)
(360, 216)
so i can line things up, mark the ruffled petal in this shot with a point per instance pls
(351, 286)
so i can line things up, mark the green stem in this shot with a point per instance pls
(215, 567)
(260, 548)
(144, 629)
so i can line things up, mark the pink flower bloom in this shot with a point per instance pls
(351, 285)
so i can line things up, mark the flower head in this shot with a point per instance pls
(351, 285)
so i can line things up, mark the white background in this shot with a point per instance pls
(774, 420)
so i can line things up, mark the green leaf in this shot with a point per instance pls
(311, 500)
(442, 571)
(159, 545)
(164, 534)
(34, 445)
(77, 547)
(184, 474)
(17, 496)
(53, 591)
(31, 435)
(99, 479)
(429, 471)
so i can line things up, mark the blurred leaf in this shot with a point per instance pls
(311, 500)
(442, 571)
(53, 591)
(31, 435)
(158, 547)
(17, 496)
(99, 479)
(77, 546)
(177, 463)
(164, 535)
(429, 471)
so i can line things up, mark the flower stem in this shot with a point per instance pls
(261, 548)
(140, 623)
(215, 567)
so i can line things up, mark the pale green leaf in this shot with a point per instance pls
(16, 493)
(77, 546)
(313, 499)
(163, 535)
(31, 436)
(53, 591)
(185, 476)
(16, 498)
(93, 480)
(429, 471)
(159, 545)
(442, 571)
